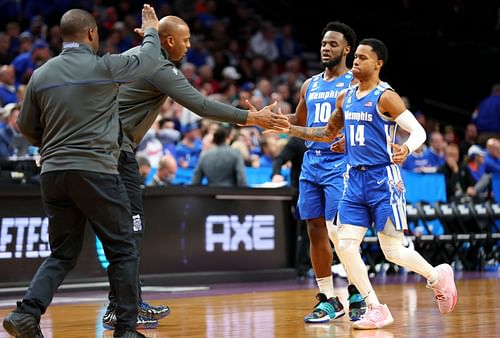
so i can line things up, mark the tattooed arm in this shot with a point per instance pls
(326, 133)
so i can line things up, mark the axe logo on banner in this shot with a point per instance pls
(255, 233)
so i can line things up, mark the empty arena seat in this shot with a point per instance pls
(447, 216)
(429, 219)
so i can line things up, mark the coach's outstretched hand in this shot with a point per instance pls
(266, 118)
(149, 20)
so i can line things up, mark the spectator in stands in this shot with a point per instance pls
(27, 62)
(188, 150)
(475, 162)
(3, 117)
(189, 71)
(167, 169)
(417, 162)
(263, 44)
(145, 170)
(288, 46)
(7, 85)
(487, 116)
(470, 138)
(449, 135)
(221, 165)
(198, 54)
(264, 90)
(230, 74)
(5, 57)
(12, 143)
(206, 76)
(459, 181)
(270, 149)
(168, 135)
(435, 152)
(492, 160)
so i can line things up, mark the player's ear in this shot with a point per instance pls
(347, 50)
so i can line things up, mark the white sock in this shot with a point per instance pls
(325, 285)
(434, 277)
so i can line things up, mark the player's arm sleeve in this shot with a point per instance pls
(29, 120)
(408, 122)
(172, 82)
(129, 67)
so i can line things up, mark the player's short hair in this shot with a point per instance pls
(76, 22)
(341, 27)
(378, 47)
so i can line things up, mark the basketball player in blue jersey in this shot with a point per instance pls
(321, 179)
(374, 192)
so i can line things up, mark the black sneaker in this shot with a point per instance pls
(22, 325)
(129, 334)
(109, 320)
(326, 310)
(357, 304)
(153, 312)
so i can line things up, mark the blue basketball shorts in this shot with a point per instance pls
(372, 195)
(321, 184)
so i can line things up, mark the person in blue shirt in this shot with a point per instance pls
(374, 191)
(8, 87)
(435, 152)
(487, 115)
(27, 62)
(492, 159)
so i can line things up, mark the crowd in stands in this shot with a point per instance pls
(235, 56)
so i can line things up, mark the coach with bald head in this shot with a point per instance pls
(71, 113)
(139, 105)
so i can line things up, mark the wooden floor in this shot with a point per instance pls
(280, 314)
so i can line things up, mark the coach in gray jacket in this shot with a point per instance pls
(71, 113)
(139, 105)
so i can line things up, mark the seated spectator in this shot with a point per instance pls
(492, 159)
(12, 143)
(459, 181)
(417, 162)
(145, 170)
(26, 63)
(168, 135)
(270, 150)
(450, 136)
(470, 138)
(167, 169)
(221, 165)
(262, 43)
(435, 152)
(487, 116)
(7, 85)
(475, 162)
(187, 152)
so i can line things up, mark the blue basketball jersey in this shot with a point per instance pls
(368, 134)
(321, 97)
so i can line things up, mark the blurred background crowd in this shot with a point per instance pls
(445, 63)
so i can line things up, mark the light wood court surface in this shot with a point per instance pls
(280, 314)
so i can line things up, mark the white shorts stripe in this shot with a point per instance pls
(394, 208)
